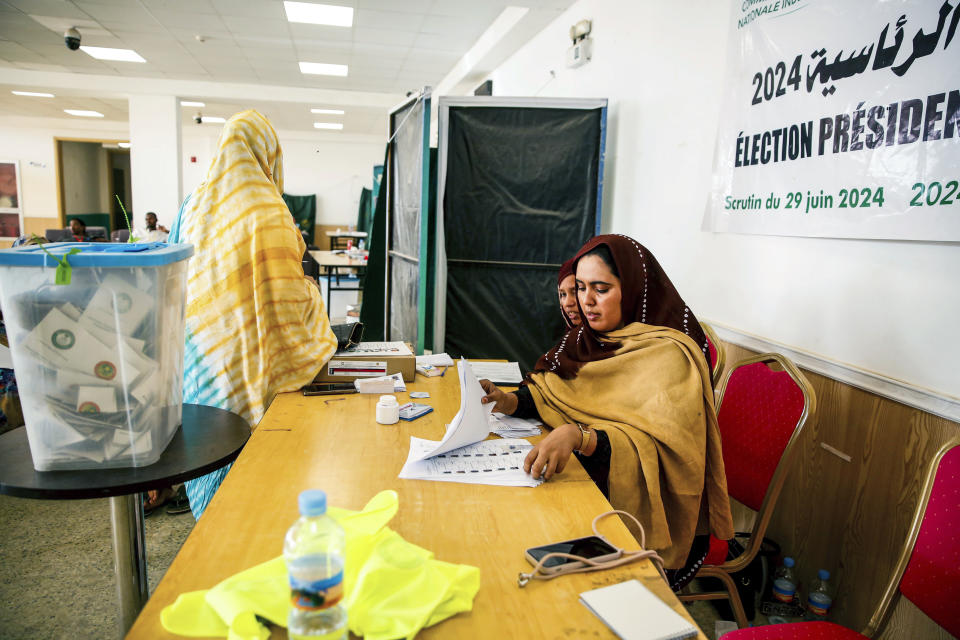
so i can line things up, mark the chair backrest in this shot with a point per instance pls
(761, 413)
(97, 232)
(120, 235)
(928, 571)
(717, 355)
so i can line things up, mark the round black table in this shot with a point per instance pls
(207, 439)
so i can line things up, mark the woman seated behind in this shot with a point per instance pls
(567, 291)
(629, 390)
(255, 326)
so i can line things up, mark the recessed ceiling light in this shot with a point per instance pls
(83, 113)
(190, 103)
(212, 120)
(323, 69)
(108, 53)
(123, 145)
(33, 94)
(334, 112)
(311, 13)
(327, 125)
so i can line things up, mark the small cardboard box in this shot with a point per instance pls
(370, 360)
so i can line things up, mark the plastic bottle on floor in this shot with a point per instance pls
(820, 598)
(785, 581)
(314, 552)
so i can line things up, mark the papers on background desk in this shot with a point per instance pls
(435, 360)
(510, 427)
(462, 455)
(507, 373)
(496, 462)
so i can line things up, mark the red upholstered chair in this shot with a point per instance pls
(928, 570)
(717, 356)
(764, 403)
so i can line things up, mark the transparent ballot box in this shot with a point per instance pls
(98, 359)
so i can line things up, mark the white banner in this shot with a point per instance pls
(841, 119)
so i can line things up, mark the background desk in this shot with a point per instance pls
(334, 261)
(338, 239)
(333, 443)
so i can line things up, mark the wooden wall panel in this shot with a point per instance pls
(852, 518)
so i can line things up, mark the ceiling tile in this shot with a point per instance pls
(257, 26)
(384, 37)
(196, 22)
(58, 8)
(419, 6)
(183, 6)
(250, 9)
(438, 42)
(319, 33)
(130, 12)
(395, 20)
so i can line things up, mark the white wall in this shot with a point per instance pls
(886, 307)
(335, 170)
(31, 141)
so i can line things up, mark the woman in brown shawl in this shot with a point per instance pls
(629, 390)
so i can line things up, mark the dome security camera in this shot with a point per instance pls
(198, 118)
(71, 38)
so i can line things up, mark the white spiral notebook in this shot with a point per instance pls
(633, 612)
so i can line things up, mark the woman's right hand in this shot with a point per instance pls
(504, 402)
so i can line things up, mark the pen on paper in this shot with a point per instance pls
(333, 400)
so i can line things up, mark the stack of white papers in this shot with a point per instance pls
(435, 360)
(509, 427)
(462, 455)
(496, 462)
(506, 373)
(381, 384)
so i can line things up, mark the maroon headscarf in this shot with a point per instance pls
(566, 269)
(647, 296)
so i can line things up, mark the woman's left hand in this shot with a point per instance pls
(551, 454)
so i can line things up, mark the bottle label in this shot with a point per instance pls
(819, 603)
(783, 590)
(316, 595)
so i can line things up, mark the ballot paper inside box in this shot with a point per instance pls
(99, 361)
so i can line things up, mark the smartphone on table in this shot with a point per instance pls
(592, 547)
(328, 388)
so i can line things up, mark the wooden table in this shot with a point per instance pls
(334, 261)
(333, 443)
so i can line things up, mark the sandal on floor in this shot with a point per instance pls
(164, 496)
(179, 503)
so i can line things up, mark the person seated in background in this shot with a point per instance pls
(629, 391)
(79, 230)
(153, 232)
(255, 326)
(567, 290)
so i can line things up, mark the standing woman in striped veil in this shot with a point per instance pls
(255, 326)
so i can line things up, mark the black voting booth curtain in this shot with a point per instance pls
(304, 212)
(520, 198)
(372, 310)
(365, 210)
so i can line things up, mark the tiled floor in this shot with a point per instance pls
(56, 566)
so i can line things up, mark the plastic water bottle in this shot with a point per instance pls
(313, 549)
(785, 582)
(820, 597)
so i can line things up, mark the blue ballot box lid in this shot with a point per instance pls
(98, 254)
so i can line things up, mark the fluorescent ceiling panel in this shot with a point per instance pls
(310, 13)
(109, 53)
(323, 69)
(190, 103)
(83, 113)
(334, 112)
(34, 94)
(328, 125)
(123, 145)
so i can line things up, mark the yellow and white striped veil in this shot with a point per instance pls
(255, 326)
